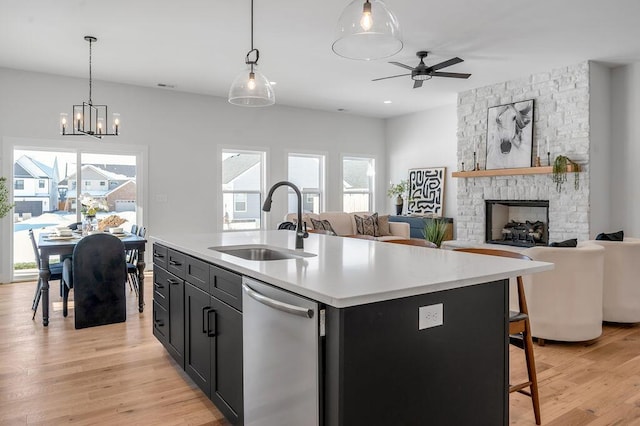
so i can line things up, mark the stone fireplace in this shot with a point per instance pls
(522, 223)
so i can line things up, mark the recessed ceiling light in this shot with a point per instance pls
(387, 102)
(273, 83)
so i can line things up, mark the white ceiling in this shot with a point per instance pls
(199, 45)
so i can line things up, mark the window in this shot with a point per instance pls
(240, 203)
(307, 173)
(103, 183)
(19, 184)
(87, 183)
(41, 184)
(242, 186)
(357, 183)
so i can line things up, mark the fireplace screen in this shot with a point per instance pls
(518, 223)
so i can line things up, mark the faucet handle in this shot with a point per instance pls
(305, 234)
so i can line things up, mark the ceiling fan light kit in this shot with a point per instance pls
(88, 119)
(251, 88)
(367, 30)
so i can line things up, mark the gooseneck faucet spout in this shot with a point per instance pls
(301, 232)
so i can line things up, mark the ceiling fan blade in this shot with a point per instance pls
(450, 74)
(392, 76)
(417, 83)
(444, 64)
(402, 65)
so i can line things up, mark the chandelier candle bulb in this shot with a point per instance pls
(63, 123)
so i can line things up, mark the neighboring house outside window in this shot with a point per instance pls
(306, 171)
(358, 174)
(242, 186)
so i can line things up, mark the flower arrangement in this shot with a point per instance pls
(398, 190)
(90, 206)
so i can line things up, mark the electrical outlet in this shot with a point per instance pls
(430, 316)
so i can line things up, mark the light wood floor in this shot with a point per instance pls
(120, 374)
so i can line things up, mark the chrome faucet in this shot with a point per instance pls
(301, 232)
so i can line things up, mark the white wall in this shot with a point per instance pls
(599, 149)
(183, 133)
(424, 139)
(625, 149)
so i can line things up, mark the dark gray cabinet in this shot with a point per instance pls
(205, 307)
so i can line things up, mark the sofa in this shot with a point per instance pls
(565, 303)
(344, 224)
(621, 287)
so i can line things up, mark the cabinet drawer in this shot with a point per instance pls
(160, 322)
(160, 256)
(162, 280)
(226, 286)
(197, 273)
(176, 263)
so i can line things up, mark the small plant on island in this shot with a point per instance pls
(561, 166)
(435, 231)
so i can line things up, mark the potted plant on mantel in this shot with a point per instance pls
(5, 206)
(398, 191)
(561, 166)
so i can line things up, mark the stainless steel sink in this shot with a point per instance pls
(259, 252)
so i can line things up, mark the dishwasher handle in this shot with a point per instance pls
(276, 304)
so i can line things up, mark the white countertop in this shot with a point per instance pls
(350, 271)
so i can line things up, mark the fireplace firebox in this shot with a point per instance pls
(517, 222)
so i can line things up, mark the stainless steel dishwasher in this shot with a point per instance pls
(281, 356)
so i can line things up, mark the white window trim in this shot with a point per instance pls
(322, 156)
(372, 189)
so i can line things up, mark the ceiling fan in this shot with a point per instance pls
(423, 72)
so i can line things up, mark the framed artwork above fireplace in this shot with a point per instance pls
(426, 191)
(510, 135)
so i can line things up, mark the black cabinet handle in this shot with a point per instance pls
(172, 281)
(159, 323)
(158, 285)
(174, 263)
(158, 255)
(205, 323)
(212, 330)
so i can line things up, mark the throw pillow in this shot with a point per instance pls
(367, 225)
(323, 225)
(567, 243)
(614, 236)
(383, 225)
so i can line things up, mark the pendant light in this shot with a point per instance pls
(251, 88)
(367, 30)
(89, 119)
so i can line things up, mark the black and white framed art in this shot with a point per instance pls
(510, 135)
(426, 191)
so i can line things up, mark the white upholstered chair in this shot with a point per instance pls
(621, 292)
(565, 304)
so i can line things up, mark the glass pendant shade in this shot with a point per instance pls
(367, 30)
(251, 88)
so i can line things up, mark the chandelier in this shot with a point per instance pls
(88, 119)
(251, 88)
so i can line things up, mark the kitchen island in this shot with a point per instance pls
(407, 335)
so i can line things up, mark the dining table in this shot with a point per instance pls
(51, 245)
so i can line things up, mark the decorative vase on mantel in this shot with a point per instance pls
(399, 205)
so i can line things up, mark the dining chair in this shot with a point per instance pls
(56, 274)
(519, 331)
(97, 275)
(132, 264)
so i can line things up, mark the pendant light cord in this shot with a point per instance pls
(90, 78)
(248, 60)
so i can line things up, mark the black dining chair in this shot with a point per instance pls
(97, 274)
(132, 263)
(56, 274)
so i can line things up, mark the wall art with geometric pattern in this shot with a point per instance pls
(426, 191)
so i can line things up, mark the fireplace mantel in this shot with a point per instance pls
(508, 172)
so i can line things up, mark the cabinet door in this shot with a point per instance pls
(197, 362)
(226, 359)
(175, 335)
